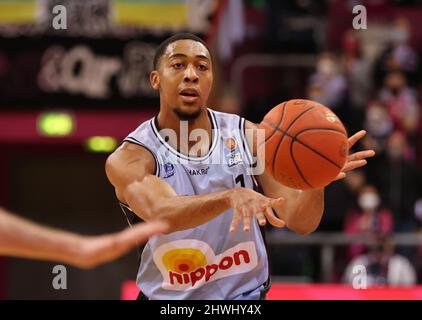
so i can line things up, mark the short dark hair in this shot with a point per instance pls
(179, 36)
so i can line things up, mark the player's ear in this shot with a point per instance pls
(154, 78)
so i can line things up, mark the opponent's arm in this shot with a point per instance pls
(303, 209)
(130, 169)
(22, 238)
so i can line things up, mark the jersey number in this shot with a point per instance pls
(240, 179)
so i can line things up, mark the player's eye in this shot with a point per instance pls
(178, 65)
(202, 67)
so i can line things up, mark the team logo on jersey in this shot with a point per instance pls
(189, 264)
(231, 144)
(169, 170)
(232, 154)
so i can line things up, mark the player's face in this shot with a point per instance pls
(184, 78)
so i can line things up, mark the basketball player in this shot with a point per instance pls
(204, 255)
(22, 238)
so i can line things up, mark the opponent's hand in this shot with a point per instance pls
(357, 159)
(96, 250)
(247, 204)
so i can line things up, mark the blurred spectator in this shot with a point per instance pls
(418, 144)
(418, 257)
(399, 55)
(399, 180)
(418, 212)
(383, 266)
(378, 124)
(369, 218)
(339, 198)
(354, 181)
(358, 74)
(328, 85)
(401, 102)
(402, 54)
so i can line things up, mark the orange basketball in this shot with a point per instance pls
(305, 144)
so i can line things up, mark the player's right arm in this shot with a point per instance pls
(131, 169)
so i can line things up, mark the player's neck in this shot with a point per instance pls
(170, 120)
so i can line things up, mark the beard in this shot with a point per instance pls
(187, 116)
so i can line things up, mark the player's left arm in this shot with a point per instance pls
(303, 209)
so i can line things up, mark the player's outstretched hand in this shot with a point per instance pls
(247, 204)
(96, 250)
(357, 159)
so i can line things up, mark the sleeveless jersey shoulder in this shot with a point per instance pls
(236, 125)
(143, 136)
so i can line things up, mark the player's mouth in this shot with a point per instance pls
(189, 95)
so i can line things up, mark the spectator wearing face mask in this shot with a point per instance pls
(369, 218)
(399, 55)
(401, 102)
(382, 265)
(378, 124)
(402, 52)
(328, 85)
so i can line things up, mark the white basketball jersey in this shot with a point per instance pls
(205, 262)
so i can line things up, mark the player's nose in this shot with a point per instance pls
(190, 74)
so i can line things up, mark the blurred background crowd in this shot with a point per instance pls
(68, 97)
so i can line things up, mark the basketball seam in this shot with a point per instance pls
(279, 122)
(285, 133)
(317, 152)
(296, 165)
(328, 129)
(305, 145)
